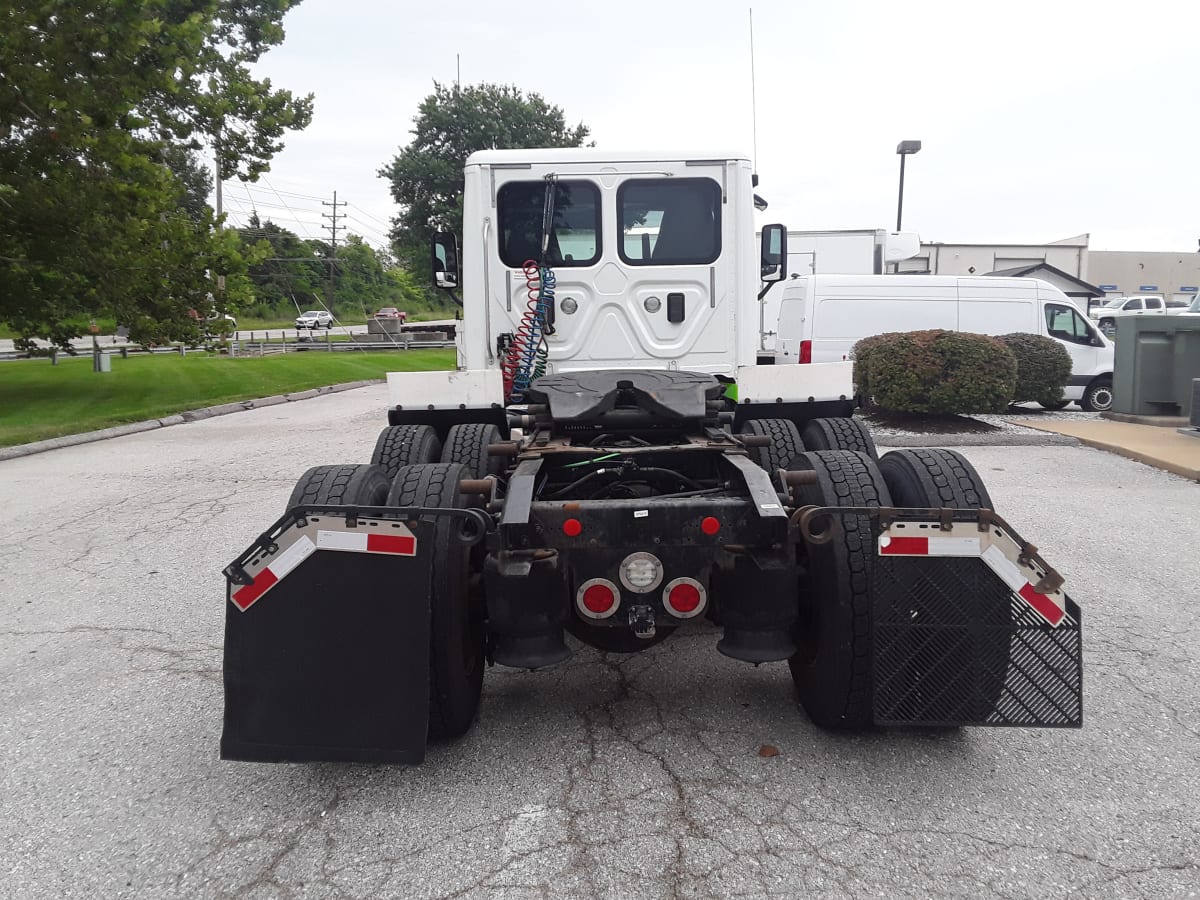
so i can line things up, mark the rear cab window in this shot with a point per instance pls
(669, 221)
(575, 235)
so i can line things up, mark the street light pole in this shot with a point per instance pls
(903, 149)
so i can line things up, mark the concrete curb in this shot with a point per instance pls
(1004, 439)
(194, 415)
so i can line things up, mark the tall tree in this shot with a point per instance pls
(451, 124)
(93, 102)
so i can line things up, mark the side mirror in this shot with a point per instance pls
(773, 266)
(444, 259)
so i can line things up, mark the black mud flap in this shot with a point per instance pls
(970, 626)
(327, 637)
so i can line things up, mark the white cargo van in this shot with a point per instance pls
(822, 316)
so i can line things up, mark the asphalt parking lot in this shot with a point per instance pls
(608, 776)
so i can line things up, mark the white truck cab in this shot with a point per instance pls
(654, 264)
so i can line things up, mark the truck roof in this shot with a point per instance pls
(592, 154)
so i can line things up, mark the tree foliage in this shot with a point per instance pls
(100, 107)
(290, 274)
(452, 123)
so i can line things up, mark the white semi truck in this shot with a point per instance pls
(608, 461)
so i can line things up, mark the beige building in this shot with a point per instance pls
(1089, 276)
(1172, 276)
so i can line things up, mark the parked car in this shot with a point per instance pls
(1193, 309)
(390, 312)
(315, 318)
(1119, 307)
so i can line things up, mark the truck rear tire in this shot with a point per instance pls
(456, 622)
(349, 485)
(943, 478)
(933, 478)
(839, 434)
(468, 444)
(785, 442)
(406, 445)
(832, 668)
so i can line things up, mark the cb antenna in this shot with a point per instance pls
(753, 96)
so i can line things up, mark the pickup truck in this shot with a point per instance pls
(1134, 305)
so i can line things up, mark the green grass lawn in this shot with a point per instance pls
(39, 401)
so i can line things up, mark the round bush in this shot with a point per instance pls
(935, 372)
(1043, 367)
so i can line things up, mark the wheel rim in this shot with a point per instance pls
(1102, 398)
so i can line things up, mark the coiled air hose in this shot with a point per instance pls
(529, 353)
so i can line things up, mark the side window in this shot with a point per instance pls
(669, 221)
(1066, 324)
(1153, 303)
(575, 235)
(1133, 304)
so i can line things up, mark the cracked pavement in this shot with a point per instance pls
(609, 776)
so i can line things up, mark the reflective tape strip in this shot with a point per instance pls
(245, 597)
(1042, 604)
(928, 546)
(400, 543)
(1008, 570)
(1051, 607)
(1012, 575)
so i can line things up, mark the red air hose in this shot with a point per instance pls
(528, 334)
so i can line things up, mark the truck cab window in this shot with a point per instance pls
(669, 222)
(575, 236)
(1066, 324)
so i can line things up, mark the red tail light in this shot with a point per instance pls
(685, 598)
(805, 352)
(597, 598)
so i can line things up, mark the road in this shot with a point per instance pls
(622, 777)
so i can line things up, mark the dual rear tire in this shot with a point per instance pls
(832, 670)
(456, 645)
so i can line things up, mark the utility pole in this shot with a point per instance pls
(332, 228)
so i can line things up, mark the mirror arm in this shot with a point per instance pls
(766, 287)
(453, 296)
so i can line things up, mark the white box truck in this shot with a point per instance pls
(822, 316)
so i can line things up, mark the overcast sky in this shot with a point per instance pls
(1039, 120)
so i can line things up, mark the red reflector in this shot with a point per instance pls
(684, 597)
(403, 545)
(806, 351)
(710, 525)
(572, 527)
(598, 598)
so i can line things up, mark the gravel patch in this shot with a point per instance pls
(999, 430)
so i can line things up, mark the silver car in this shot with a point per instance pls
(315, 318)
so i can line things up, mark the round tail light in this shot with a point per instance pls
(597, 598)
(685, 598)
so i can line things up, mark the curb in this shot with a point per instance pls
(1007, 439)
(194, 415)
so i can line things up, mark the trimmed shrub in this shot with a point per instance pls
(1043, 367)
(935, 372)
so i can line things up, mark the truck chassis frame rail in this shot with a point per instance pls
(970, 625)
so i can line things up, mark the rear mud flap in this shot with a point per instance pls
(970, 626)
(327, 637)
